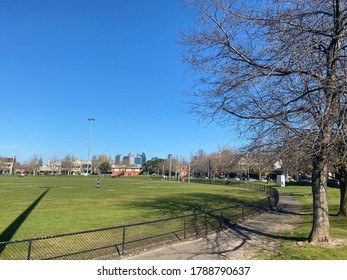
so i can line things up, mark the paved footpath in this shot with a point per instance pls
(242, 242)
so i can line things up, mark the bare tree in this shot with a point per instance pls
(277, 70)
(225, 159)
(263, 163)
(341, 172)
(68, 163)
(342, 175)
(54, 165)
(2, 164)
(34, 164)
(296, 163)
(200, 164)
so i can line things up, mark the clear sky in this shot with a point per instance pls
(64, 61)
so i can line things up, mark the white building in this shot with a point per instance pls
(7, 165)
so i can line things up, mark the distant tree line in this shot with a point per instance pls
(229, 163)
(68, 165)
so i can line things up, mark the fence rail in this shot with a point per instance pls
(126, 240)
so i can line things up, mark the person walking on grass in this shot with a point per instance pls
(98, 182)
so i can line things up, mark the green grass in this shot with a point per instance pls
(36, 206)
(290, 248)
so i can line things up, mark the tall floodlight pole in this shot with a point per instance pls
(179, 169)
(170, 169)
(90, 137)
(189, 172)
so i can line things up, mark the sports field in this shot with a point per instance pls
(34, 206)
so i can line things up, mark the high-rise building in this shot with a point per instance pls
(143, 158)
(118, 159)
(138, 159)
(125, 160)
(131, 159)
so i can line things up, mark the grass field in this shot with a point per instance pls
(41, 205)
(36, 206)
(294, 245)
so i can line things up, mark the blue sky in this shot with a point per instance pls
(63, 61)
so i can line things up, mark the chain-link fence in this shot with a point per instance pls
(126, 240)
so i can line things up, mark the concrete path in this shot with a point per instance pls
(243, 241)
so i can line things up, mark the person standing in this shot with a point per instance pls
(98, 182)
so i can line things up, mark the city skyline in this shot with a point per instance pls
(115, 159)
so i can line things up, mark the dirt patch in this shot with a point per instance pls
(335, 243)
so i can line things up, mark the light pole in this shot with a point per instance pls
(170, 168)
(90, 137)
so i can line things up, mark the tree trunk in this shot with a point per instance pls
(321, 226)
(343, 201)
(343, 193)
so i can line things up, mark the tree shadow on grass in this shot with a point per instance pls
(191, 204)
(201, 202)
(246, 231)
(10, 231)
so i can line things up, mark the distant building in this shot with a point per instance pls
(74, 167)
(130, 159)
(52, 167)
(118, 159)
(125, 160)
(20, 169)
(118, 171)
(138, 159)
(144, 159)
(7, 165)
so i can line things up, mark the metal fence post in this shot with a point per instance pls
(123, 241)
(221, 218)
(29, 249)
(205, 222)
(185, 228)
